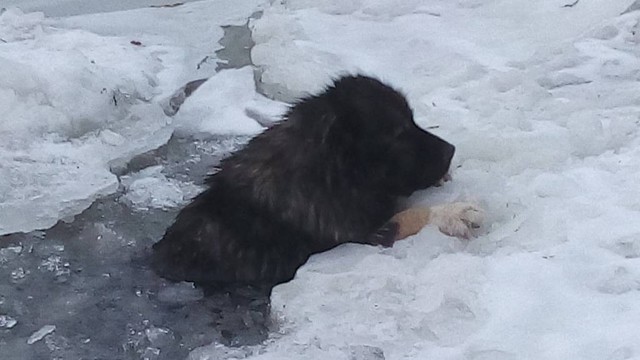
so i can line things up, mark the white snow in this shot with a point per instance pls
(209, 109)
(541, 101)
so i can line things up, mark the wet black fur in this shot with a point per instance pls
(331, 172)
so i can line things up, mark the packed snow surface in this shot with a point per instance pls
(542, 103)
(540, 98)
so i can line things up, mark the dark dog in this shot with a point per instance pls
(331, 172)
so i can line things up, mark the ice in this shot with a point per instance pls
(7, 322)
(75, 7)
(208, 110)
(95, 269)
(82, 95)
(9, 253)
(191, 31)
(62, 90)
(274, 33)
(180, 293)
(19, 274)
(56, 265)
(40, 334)
(149, 188)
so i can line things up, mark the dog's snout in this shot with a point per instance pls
(449, 150)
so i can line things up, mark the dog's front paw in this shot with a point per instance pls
(457, 219)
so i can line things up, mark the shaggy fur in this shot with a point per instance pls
(331, 172)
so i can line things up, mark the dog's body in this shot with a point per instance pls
(331, 172)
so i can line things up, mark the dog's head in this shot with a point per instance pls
(375, 124)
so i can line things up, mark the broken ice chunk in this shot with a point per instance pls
(7, 322)
(40, 334)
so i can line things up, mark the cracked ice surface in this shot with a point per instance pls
(82, 95)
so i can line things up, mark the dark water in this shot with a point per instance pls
(90, 278)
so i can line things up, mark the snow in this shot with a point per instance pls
(541, 101)
(209, 110)
(76, 7)
(78, 97)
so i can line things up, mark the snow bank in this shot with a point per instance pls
(70, 104)
(541, 100)
(194, 28)
(79, 95)
(210, 110)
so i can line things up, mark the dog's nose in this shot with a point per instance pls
(449, 150)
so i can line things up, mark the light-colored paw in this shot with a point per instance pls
(457, 219)
(411, 221)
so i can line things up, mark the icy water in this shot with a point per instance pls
(84, 289)
(90, 279)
